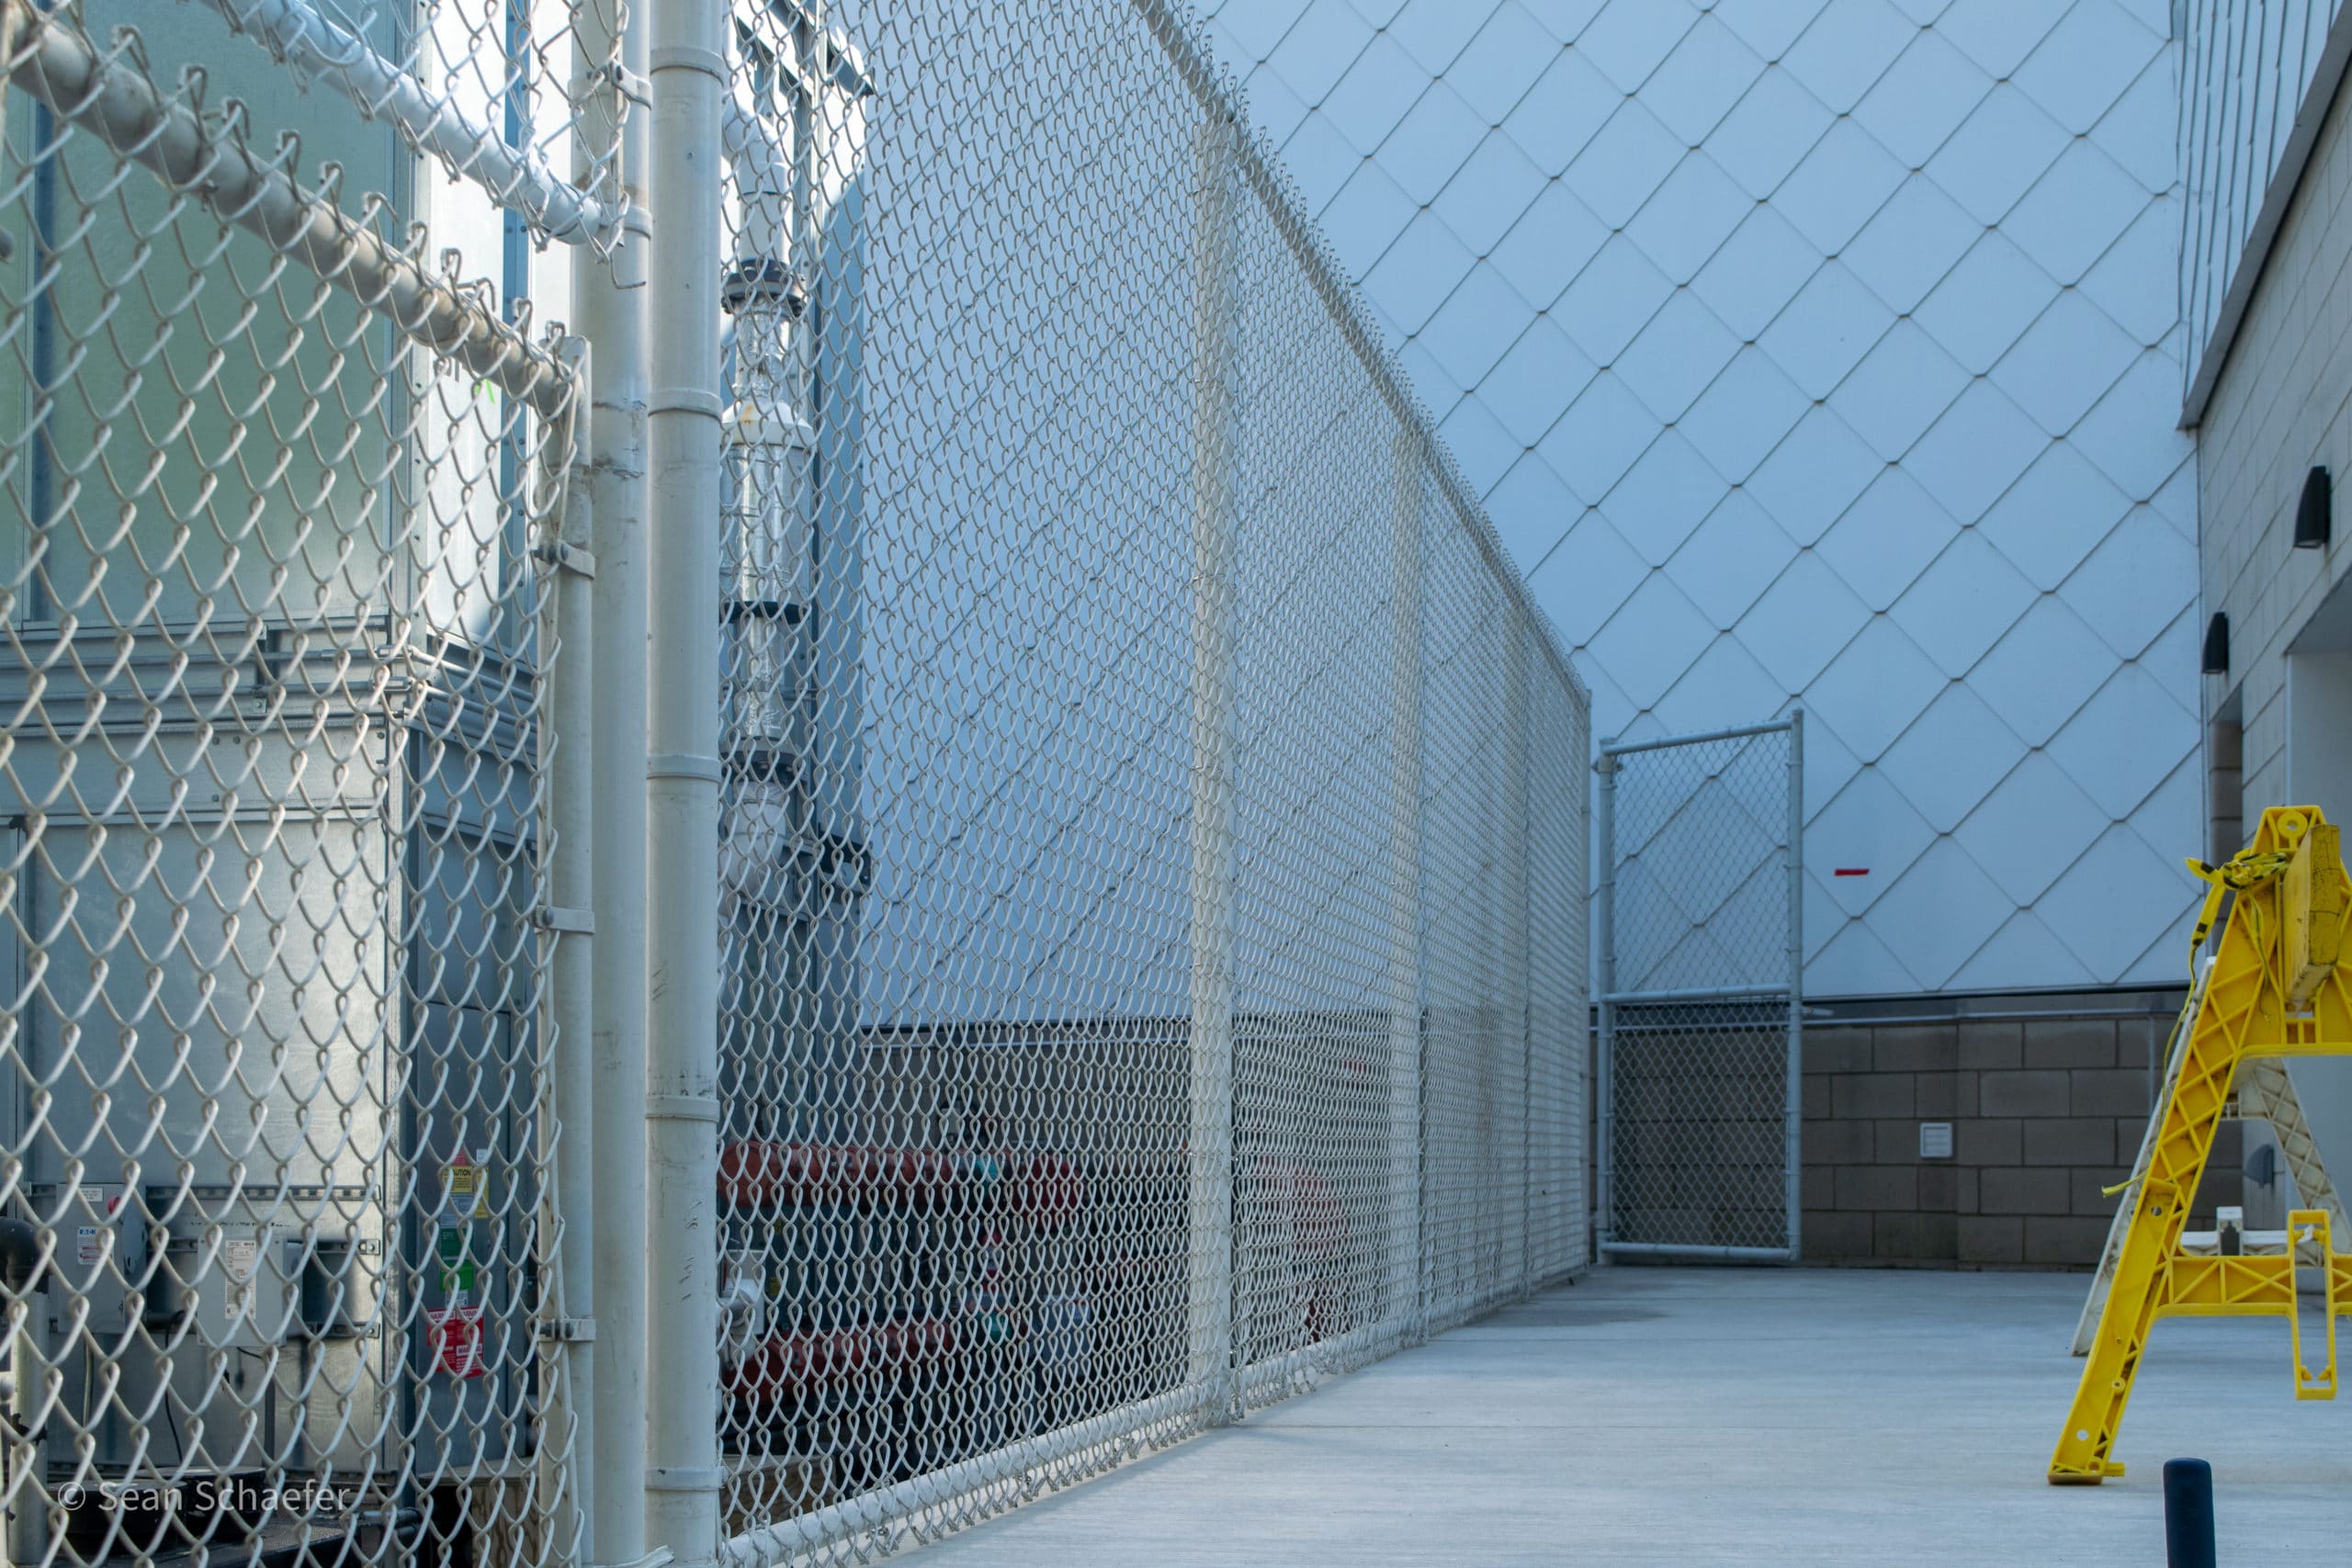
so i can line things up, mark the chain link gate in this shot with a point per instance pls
(1699, 956)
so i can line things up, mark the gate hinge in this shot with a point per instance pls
(570, 1330)
(554, 917)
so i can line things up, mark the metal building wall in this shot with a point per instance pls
(1821, 351)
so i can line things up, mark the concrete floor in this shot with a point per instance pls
(1688, 1416)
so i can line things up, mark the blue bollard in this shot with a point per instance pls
(2188, 1513)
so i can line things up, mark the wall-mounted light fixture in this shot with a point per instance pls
(2217, 644)
(2312, 511)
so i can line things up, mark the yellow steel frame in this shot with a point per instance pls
(2274, 991)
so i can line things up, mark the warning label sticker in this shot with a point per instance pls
(455, 1336)
(468, 1188)
(238, 1255)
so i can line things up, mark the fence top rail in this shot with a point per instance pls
(1625, 748)
(1172, 24)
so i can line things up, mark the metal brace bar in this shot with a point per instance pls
(1775, 993)
(1695, 1251)
(56, 63)
(1627, 748)
(304, 37)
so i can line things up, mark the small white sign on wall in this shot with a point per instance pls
(1935, 1140)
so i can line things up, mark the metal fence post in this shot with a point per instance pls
(1604, 878)
(1795, 1111)
(1405, 872)
(1216, 415)
(682, 773)
(1523, 782)
(566, 743)
(608, 307)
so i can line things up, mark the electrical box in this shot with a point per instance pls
(99, 1251)
(230, 1274)
(335, 1297)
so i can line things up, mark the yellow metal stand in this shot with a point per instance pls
(2275, 990)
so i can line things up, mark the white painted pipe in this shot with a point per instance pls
(609, 309)
(682, 773)
(332, 53)
(112, 101)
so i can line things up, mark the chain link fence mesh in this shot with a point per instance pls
(1697, 956)
(1161, 930)
(279, 448)
(1152, 826)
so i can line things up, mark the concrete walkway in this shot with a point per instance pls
(1692, 1417)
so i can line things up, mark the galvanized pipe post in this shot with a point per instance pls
(1793, 1111)
(1215, 350)
(1523, 785)
(1604, 825)
(609, 301)
(688, 75)
(567, 922)
(1404, 874)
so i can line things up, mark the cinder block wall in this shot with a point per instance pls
(2045, 1112)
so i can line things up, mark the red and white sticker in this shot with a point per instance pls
(455, 1334)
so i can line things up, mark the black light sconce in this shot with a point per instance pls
(2217, 644)
(2312, 513)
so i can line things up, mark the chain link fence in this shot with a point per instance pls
(1153, 816)
(1700, 959)
(1047, 913)
(282, 455)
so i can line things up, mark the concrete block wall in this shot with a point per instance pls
(2046, 1111)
